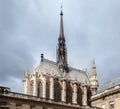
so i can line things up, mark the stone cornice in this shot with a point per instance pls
(106, 93)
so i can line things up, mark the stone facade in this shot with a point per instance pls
(12, 100)
(57, 89)
(109, 98)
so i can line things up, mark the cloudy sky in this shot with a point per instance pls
(31, 27)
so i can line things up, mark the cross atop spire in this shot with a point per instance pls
(61, 49)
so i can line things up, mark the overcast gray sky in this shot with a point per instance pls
(31, 27)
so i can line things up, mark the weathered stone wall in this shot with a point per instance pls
(34, 103)
(106, 101)
(57, 89)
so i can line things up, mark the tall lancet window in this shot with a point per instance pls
(69, 91)
(89, 94)
(57, 90)
(39, 89)
(47, 87)
(79, 95)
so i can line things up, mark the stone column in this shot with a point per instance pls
(44, 87)
(27, 86)
(85, 95)
(74, 97)
(34, 85)
(63, 94)
(51, 88)
(26, 83)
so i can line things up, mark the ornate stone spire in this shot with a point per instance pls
(94, 68)
(61, 49)
(93, 79)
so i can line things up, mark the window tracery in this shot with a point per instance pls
(57, 90)
(69, 92)
(39, 94)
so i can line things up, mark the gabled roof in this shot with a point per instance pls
(48, 66)
(110, 84)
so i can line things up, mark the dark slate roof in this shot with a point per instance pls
(109, 85)
(74, 74)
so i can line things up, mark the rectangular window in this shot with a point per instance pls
(44, 107)
(32, 106)
(103, 106)
(111, 105)
(18, 106)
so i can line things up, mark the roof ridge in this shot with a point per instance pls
(109, 84)
(49, 61)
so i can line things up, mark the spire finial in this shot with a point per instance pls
(26, 72)
(93, 61)
(61, 9)
(94, 66)
(42, 57)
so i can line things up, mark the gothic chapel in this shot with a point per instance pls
(59, 82)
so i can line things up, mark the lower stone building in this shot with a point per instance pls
(108, 96)
(13, 100)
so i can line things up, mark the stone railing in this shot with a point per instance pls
(30, 97)
(4, 90)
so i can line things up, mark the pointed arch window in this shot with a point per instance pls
(57, 90)
(69, 92)
(47, 87)
(79, 95)
(39, 89)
